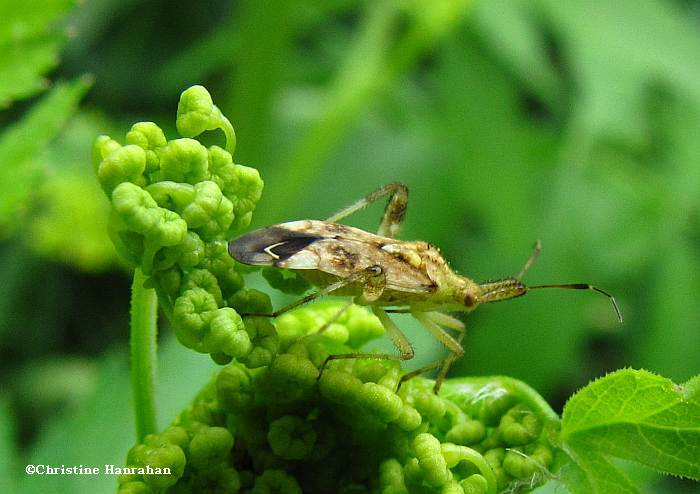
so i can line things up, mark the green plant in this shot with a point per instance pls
(268, 422)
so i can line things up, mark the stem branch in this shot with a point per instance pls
(144, 329)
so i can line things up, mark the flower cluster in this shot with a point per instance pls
(286, 428)
(271, 421)
(175, 204)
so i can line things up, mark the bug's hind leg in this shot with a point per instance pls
(393, 214)
(397, 338)
(434, 322)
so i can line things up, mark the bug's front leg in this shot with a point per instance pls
(393, 214)
(434, 323)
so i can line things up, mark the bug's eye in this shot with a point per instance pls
(375, 269)
(469, 299)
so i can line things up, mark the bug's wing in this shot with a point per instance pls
(273, 245)
(269, 246)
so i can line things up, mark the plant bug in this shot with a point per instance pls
(389, 275)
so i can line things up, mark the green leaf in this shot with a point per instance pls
(591, 473)
(28, 47)
(638, 416)
(21, 143)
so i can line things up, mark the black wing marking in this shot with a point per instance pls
(268, 246)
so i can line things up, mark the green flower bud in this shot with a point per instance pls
(250, 301)
(197, 113)
(291, 328)
(187, 254)
(244, 192)
(221, 167)
(519, 465)
(210, 445)
(474, 484)
(520, 426)
(363, 326)
(380, 402)
(265, 342)
(124, 164)
(140, 213)
(452, 487)
(466, 433)
(148, 136)
(230, 281)
(409, 419)
(169, 281)
(216, 258)
(163, 456)
(175, 435)
(136, 211)
(291, 438)
(541, 453)
(370, 370)
(429, 405)
(494, 458)
(191, 315)
(227, 334)
(276, 482)
(220, 479)
(201, 278)
(340, 387)
(391, 479)
(210, 212)
(493, 401)
(290, 377)
(183, 160)
(171, 195)
(234, 389)
(430, 459)
(103, 147)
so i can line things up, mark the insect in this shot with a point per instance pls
(386, 274)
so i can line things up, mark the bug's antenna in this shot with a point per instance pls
(583, 286)
(535, 252)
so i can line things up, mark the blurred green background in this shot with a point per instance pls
(574, 122)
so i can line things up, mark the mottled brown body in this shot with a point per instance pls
(416, 275)
(378, 270)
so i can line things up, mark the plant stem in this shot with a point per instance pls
(144, 329)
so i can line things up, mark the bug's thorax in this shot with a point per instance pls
(452, 292)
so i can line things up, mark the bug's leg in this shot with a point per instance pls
(366, 277)
(335, 317)
(446, 364)
(431, 321)
(393, 214)
(445, 321)
(535, 252)
(395, 335)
